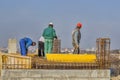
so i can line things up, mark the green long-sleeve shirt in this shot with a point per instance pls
(49, 33)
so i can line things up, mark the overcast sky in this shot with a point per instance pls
(100, 18)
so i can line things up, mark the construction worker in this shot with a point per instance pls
(24, 44)
(41, 47)
(49, 34)
(76, 36)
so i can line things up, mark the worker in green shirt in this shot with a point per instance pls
(49, 34)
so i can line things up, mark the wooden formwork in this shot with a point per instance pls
(9, 61)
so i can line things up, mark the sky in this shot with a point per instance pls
(28, 18)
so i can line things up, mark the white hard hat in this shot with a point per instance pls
(50, 23)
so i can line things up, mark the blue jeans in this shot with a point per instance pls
(23, 47)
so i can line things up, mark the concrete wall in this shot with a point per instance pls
(12, 46)
(39, 74)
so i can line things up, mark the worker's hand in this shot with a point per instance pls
(77, 46)
(26, 50)
(55, 37)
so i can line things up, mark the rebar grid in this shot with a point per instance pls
(103, 52)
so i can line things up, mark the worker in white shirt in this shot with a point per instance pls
(41, 47)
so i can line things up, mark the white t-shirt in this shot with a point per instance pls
(42, 39)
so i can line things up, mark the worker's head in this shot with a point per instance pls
(33, 43)
(51, 24)
(79, 25)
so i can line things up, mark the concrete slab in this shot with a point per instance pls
(39, 74)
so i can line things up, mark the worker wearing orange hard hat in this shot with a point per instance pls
(76, 36)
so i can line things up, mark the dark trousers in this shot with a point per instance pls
(76, 48)
(76, 51)
(41, 49)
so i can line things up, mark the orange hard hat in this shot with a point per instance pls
(79, 25)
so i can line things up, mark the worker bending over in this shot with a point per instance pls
(24, 44)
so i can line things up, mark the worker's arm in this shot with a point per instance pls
(79, 37)
(43, 33)
(29, 43)
(54, 34)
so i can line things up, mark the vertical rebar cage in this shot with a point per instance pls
(103, 52)
(56, 46)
